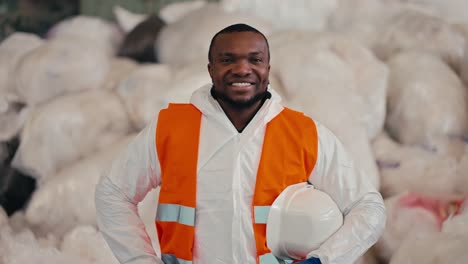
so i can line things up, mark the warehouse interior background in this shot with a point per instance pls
(79, 79)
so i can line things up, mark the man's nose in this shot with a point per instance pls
(242, 68)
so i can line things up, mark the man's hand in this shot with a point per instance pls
(310, 261)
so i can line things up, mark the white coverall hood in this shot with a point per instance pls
(203, 100)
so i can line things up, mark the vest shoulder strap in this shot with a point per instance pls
(178, 129)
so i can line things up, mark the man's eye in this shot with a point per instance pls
(226, 60)
(257, 60)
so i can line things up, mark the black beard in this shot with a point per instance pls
(240, 105)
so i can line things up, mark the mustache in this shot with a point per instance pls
(263, 96)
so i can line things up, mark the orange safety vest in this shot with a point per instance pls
(288, 156)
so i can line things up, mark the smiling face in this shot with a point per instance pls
(239, 68)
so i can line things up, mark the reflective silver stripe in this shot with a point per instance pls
(172, 259)
(261, 214)
(271, 259)
(176, 213)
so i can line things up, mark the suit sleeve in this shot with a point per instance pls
(134, 173)
(361, 204)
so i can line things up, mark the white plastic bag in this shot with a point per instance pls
(67, 199)
(12, 117)
(12, 49)
(143, 91)
(189, 38)
(98, 33)
(58, 67)
(87, 243)
(298, 14)
(360, 19)
(329, 63)
(415, 30)
(456, 223)
(120, 69)
(426, 100)
(453, 11)
(432, 249)
(24, 247)
(414, 168)
(68, 129)
(364, 20)
(464, 62)
(187, 79)
(408, 214)
(177, 10)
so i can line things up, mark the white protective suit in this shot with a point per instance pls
(227, 168)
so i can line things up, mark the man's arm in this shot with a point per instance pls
(132, 175)
(361, 204)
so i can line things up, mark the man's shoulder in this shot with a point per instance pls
(180, 108)
(292, 113)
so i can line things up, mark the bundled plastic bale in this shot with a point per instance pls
(411, 214)
(432, 249)
(416, 30)
(344, 125)
(464, 63)
(370, 77)
(186, 79)
(456, 223)
(414, 168)
(18, 222)
(175, 11)
(298, 14)
(12, 49)
(462, 172)
(85, 242)
(13, 113)
(196, 30)
(360, 19)
(58, 67)
(24, 247)
(333, 64)
(120, 69)
(12, 117)
(453, 11)
(143, 92)
(68, 129)
(277, 85)
(98, 33)
(364, 20)
(426, 100)
(67, 199)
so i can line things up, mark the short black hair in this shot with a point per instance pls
(237, 28)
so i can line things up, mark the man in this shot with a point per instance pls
(222, 157)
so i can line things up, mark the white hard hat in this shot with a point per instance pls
(300, 220)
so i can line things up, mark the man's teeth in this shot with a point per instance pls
(240, 84)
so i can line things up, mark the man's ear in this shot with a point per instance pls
(210, 68)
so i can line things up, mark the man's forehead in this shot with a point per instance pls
(240, 37)
(244, 42)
